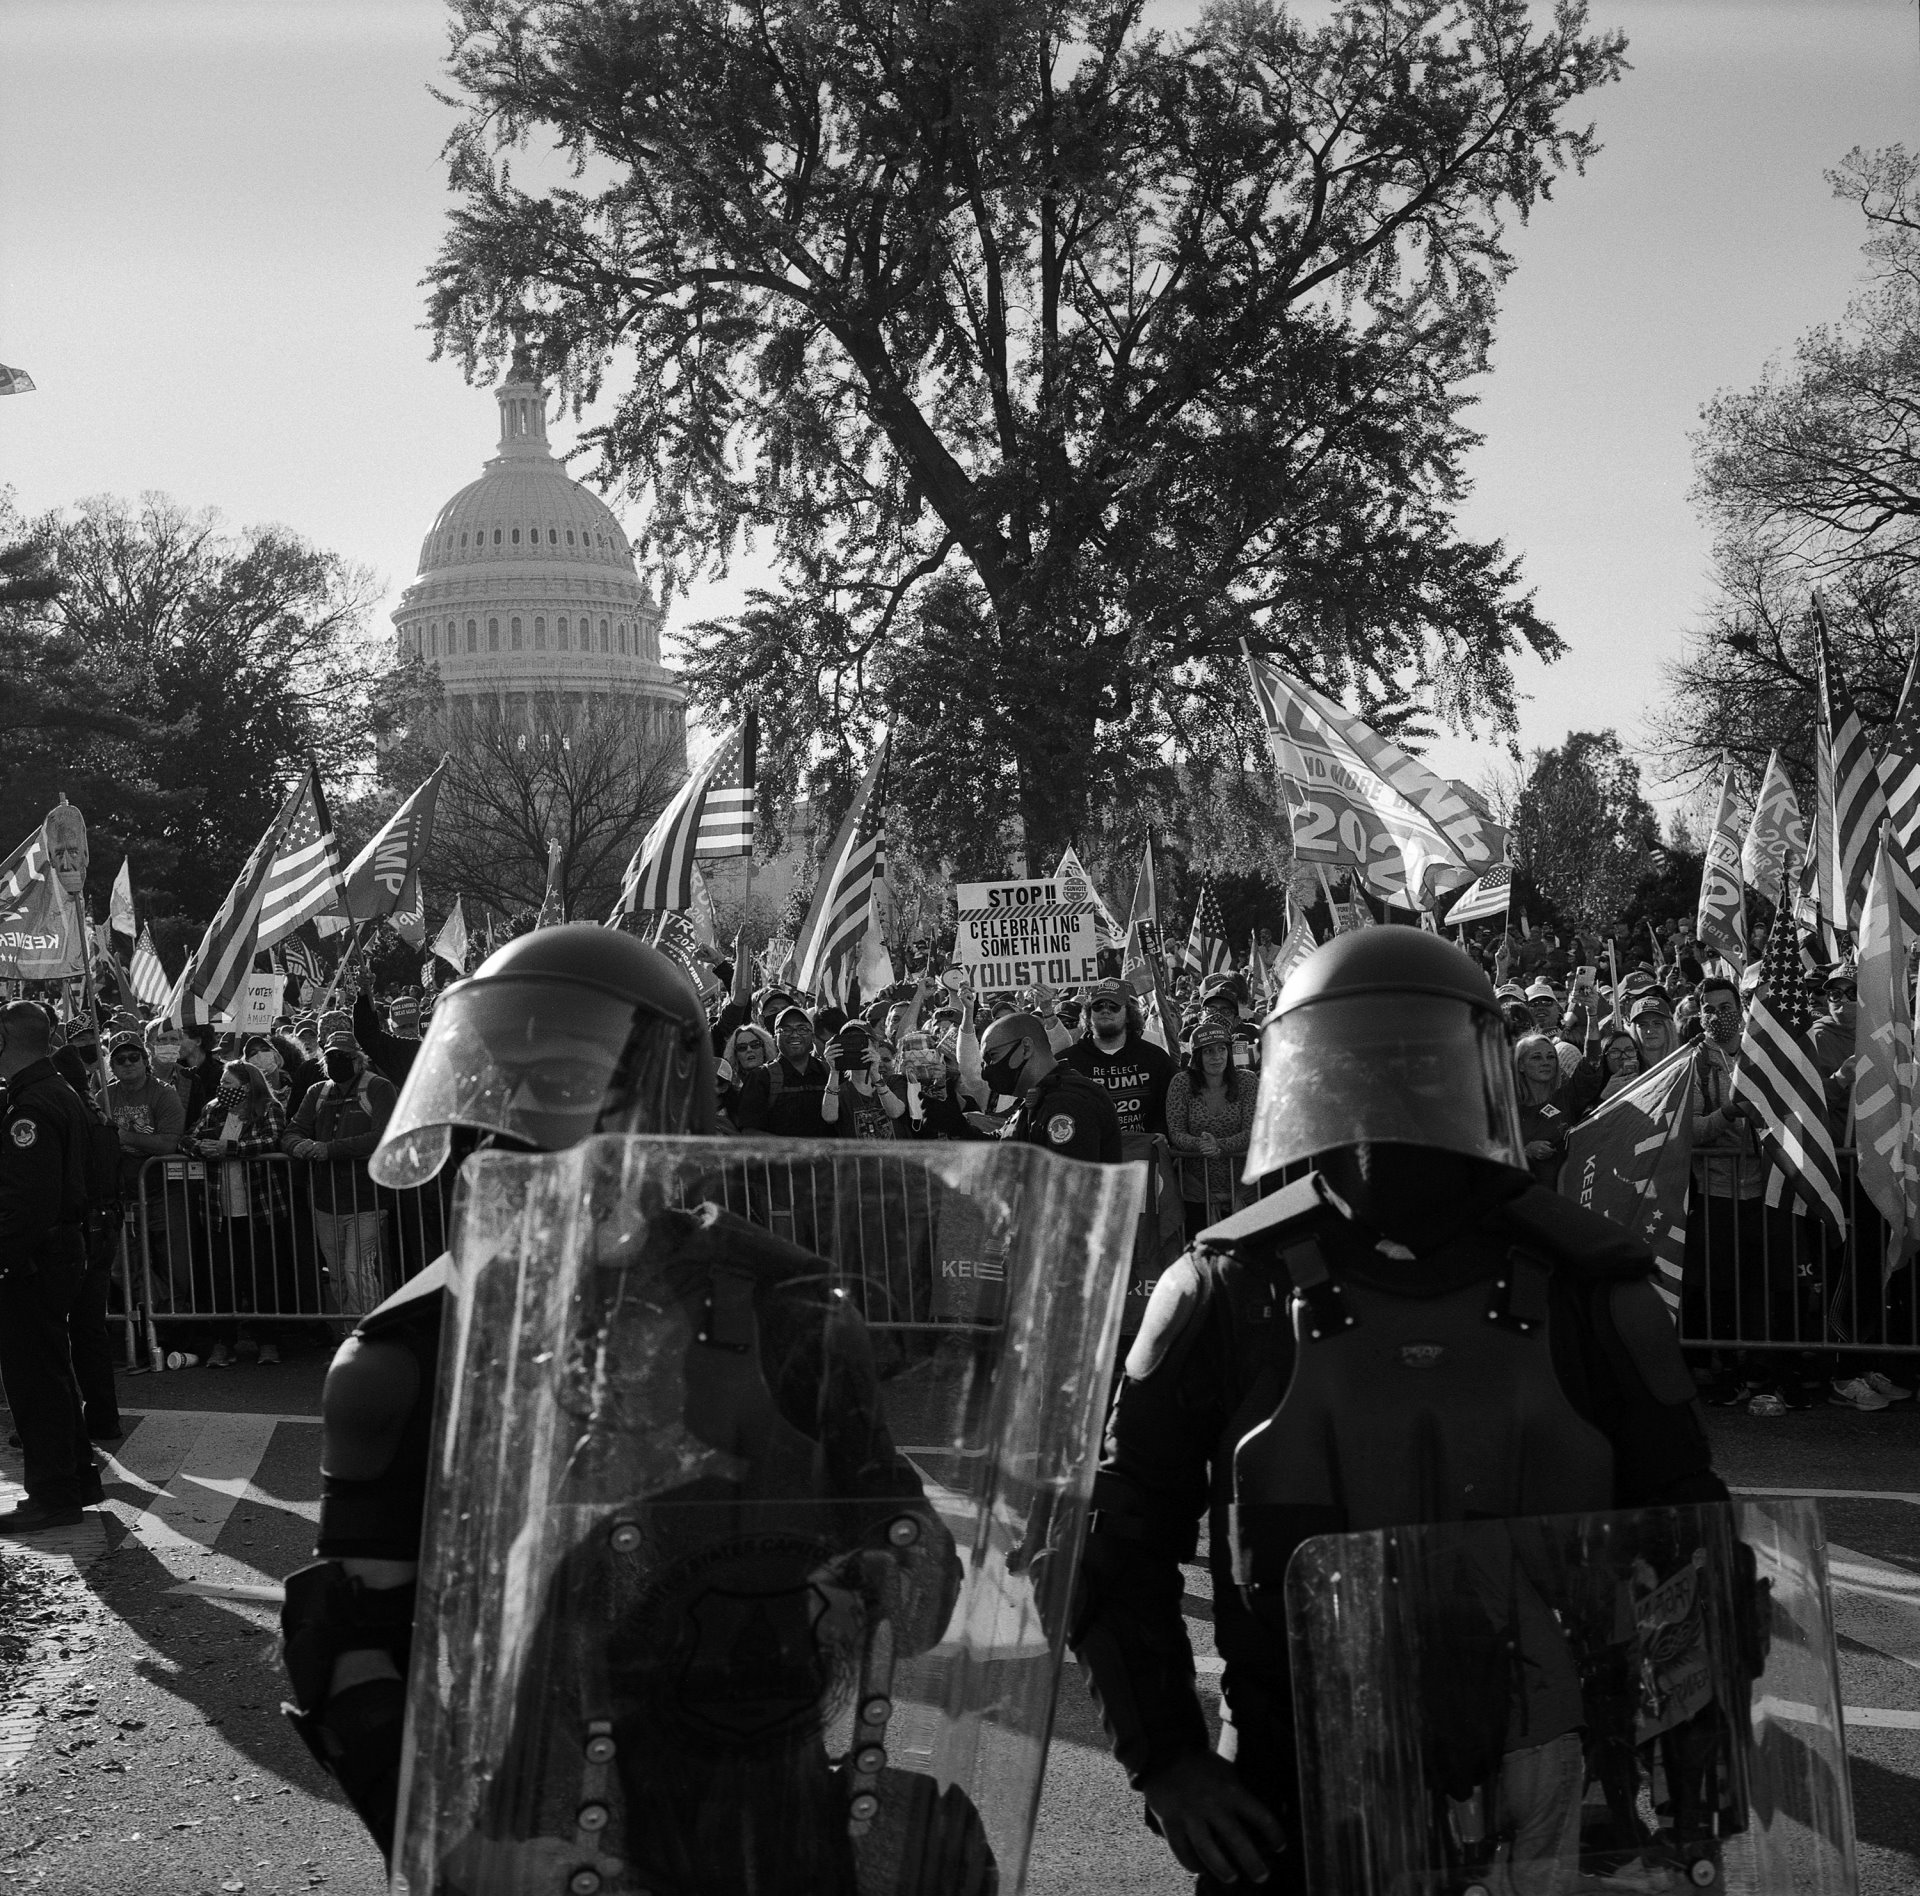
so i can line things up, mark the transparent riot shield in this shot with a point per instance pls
(758, 1485)
(1602, 1702)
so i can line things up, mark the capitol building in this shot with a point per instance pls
(527, 588)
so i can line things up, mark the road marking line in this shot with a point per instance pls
(217, 1468)
(209, 1415)
(1879, 1717)
(232, 1590)
(1837, 1494)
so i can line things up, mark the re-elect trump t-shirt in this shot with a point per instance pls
(1135, 1079)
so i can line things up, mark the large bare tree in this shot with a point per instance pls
(590, 778)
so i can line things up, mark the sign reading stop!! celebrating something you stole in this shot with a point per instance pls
(1023, 934)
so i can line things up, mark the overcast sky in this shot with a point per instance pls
(214, 215)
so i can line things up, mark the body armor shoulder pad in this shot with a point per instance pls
(405, 1305)
(1581, 1242)
(1173, 1315)
(1293, 1211)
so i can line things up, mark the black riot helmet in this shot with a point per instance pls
(1386, 1036)
(563, 1032)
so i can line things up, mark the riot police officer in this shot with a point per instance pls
(44, 1138)
(563, 1032)
(1413, 1331)
(1060, 1109)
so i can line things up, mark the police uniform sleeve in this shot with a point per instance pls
(1151, 1490)
(32, 1174)
(1065, 1122)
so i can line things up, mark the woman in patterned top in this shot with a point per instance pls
(1210, 1123)
(249, 1221)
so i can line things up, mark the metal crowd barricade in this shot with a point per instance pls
(1761, 1276)
(268, 1240)
(912, 1252)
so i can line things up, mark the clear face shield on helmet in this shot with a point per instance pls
(1384, 1069)
(540, 1062)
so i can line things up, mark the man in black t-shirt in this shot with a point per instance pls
(1133, 1072)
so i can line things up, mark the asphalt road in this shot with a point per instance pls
(142, 1752)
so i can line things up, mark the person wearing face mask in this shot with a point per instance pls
(338, 1125)
(1060, 1108)
(263, 1056)
(1118, 1058)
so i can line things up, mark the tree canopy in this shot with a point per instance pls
(1810, 481)
(1584, 833)
(173, 677)
(1051, 356)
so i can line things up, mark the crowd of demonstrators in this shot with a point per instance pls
(1752, 1269)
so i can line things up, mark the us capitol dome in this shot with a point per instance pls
(527, 586)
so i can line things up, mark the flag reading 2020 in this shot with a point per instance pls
(1024, 934)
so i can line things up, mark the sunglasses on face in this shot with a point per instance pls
(129, 1059)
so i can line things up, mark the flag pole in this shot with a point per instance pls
(340, 969)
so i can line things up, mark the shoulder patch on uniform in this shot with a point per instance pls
(23, 1133)
(1061, 1128)
(1646, 1328)
(1173, 1312)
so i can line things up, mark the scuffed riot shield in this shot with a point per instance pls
(746, 1568)
(1640, 1701)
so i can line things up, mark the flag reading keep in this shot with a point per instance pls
(1025, 934)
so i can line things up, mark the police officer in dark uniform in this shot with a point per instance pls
(1060, 1109)
(44, 1134)
(563, 1032)
(1412, 1332)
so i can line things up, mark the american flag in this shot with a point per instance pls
(292, 876)
(1777, 1074)
(299, 958)
(1489, 896)
(1207, 950)
(1859, 802)
(827, 948)
(145, 975)
(1301, 941)
(711, 815)
(1900, 771)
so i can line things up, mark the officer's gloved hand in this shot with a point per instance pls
(1212, 1822)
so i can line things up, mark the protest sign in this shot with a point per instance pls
(258, 1003)
(1025, 934)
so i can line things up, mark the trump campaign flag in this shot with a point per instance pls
(41, 936)
(1883, 1072)
(1632, 1160)
(376, 880)
(1359, 802)
(1776, 831)
(1721, 920)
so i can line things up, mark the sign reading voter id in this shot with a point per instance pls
(1026, 934)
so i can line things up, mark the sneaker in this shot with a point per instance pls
(1856, 1393)
(1766, 1403)
(219, 1357)
(1886, 1386)
(269, 1355)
